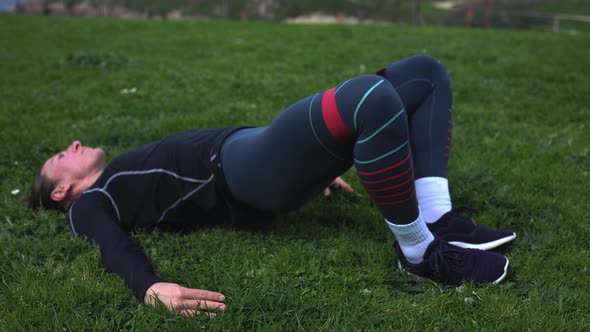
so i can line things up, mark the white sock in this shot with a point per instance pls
(413, 238)
(433, 197)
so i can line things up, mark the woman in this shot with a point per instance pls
(394, 127)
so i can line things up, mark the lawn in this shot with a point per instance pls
(520, 156)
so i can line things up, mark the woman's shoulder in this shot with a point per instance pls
(92, 206)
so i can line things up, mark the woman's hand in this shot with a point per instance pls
(338, 183)
(186, 301)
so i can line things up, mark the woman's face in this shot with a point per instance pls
(74, 163)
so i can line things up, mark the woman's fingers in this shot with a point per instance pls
(200, 294)
(201, 305)
(201, 300)
(340, 183)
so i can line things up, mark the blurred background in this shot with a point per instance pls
(553, 15)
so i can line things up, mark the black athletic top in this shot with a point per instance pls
(169, 182)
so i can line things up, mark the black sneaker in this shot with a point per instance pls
(452, 265)
(463, 232)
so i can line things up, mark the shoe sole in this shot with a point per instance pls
(484, 246)
(422, 279)
(504, 274)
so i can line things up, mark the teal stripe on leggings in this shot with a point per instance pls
(382, 127)
(363, 100)
(341, 85)
(382, 156)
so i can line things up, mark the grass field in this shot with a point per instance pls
(520, 156)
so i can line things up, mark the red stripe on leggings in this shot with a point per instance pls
(332, 117)
(396, 194)
(392, 187)
(386, 168)
(389, 178)
(397, 202)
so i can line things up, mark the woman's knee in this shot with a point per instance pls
(374, 89)
(382, 111)
(430, 67)
(364, 83)
(383, 101)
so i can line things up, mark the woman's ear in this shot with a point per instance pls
(60, 193)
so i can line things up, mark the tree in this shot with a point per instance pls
(418, 12)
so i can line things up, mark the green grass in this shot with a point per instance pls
(520, 155)
(580, 7)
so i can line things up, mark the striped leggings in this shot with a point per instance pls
(393, 126)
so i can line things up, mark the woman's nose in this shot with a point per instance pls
(75, 146)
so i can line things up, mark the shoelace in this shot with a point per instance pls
(469, 211)
(466, 213)
(440, 260)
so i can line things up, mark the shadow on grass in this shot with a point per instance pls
(320, 218)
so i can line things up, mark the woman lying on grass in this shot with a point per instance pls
(394, 127)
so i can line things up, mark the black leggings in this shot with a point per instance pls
(393, 126)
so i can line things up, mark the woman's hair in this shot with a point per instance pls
(40, 195)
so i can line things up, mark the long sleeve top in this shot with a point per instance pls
(169, 182)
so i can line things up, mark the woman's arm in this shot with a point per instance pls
(94, 218)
